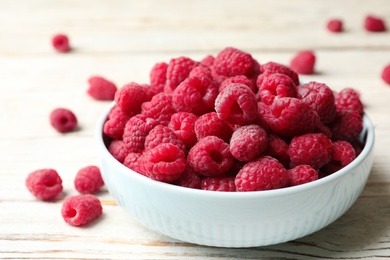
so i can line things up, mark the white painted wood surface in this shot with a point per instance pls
(121, 40)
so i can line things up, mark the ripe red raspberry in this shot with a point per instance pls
(386, 74)
(80, 210)
(208, 60)
(189, 179)
(232, 62)
(117, 149)
(335, 25)
(347, 126)
(61, 43)
(277, 148)
(101, 89)
(159, 108)
(320, 98)
(303, 62)
(45, 184)
(302, 174)
(210, 156)
(158, 76)
(183, 124)
(130, 98)
(132, 161)
(248, 142)
(115, 124)
(272, 68)
(275, 86)
(201, 71)
(290, 117)
(237, 105)
(241, 79)
(135, 132)
(63, 120)
(88, 180)
(349, 99)
(218, 184)
(210, 124)
(165, 162)
(162, 134)
(177, 71)
(343, 152)
(314, 149)
(374, 24)
(195, 95)
(264, 173)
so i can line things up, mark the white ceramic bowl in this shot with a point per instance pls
(232, 219)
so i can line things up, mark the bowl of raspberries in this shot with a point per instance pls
(231, 152)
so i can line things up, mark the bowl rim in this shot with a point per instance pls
(368, 133)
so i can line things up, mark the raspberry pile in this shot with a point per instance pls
(230, 123)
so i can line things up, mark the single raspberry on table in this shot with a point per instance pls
(183, 124)
(189, 179)
(270, 68)
(218, 184)
(264, 173)
(210, 156)
(302, 174)
(117, 148)
(195, 95)
(347, 126)
(237, 104)
(248, 142)
(232, 62)
(60, 42)
(303, 62)
(115, 124)
(386, 74)
(335, 25)
(45, 184)
(132, 161)
(158, 76)
(100, 88)
(177, 71)
(314, 149)
(237, 79)
(210, 124)
(160, 108)
(88, 180)
(275, 86)
(162, 134)
(374, 24)
(80, 210)
(320, 98)
(165, 162)
(349, 99)
(130, 98)
(289, 117)
(63, 120)
(135, 132)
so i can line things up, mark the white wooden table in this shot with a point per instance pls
(121, 40)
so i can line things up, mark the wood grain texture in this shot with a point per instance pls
(122, 40)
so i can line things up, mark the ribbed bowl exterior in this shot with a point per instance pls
(248, 219)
